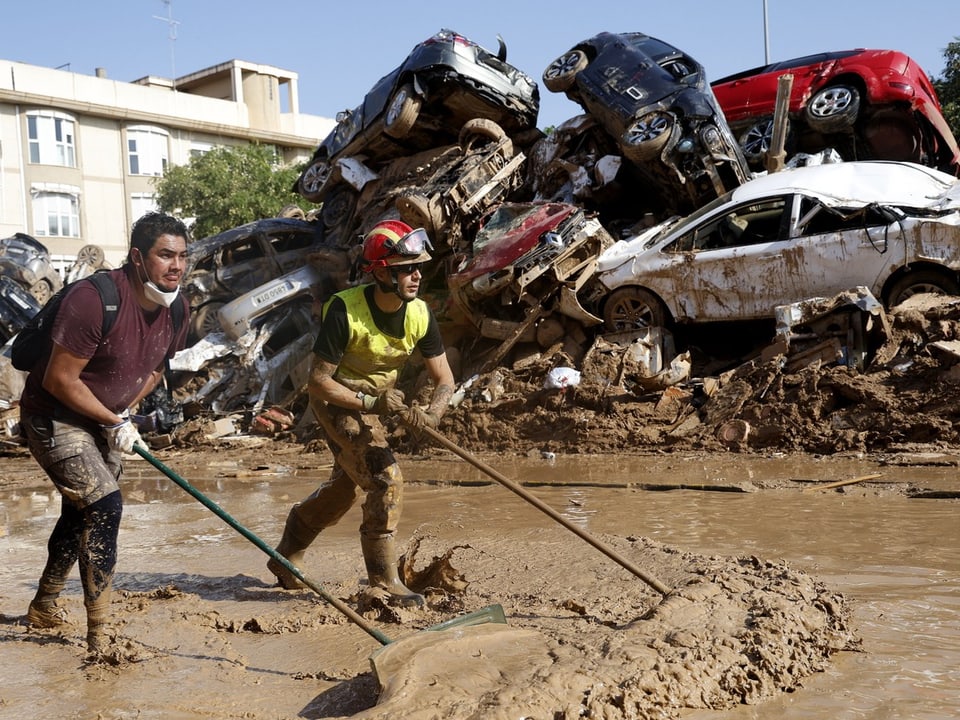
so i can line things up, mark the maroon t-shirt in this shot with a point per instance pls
(120, 363)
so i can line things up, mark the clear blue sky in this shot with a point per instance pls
(340, 49)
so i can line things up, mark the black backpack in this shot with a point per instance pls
(34, 339)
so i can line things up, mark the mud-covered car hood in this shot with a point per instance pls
(512, 230)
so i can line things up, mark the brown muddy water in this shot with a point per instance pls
(895, 556)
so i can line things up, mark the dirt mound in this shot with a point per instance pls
(905, 396)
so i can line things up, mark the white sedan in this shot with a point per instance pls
(806, 232)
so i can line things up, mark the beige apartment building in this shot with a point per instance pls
(79, 153)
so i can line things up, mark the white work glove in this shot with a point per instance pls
(122, 436)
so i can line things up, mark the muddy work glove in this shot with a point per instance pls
(389, 402)
(122, 436)
(418, 419)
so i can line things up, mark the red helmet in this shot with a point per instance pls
(392, 242)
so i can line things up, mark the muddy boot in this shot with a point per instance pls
(296, 539)
(380, 557)
(44, 612)
(98, 615)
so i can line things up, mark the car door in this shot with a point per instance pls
(734, 265)
(840, 248)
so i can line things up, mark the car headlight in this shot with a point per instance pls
(711, 139)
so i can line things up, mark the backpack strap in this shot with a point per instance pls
(178, 312)
(110, 297)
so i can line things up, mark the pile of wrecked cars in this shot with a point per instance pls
(640, 218)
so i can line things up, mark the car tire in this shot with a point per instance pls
(922, 281)
(42, 291)
(833, 109)
(416, 210)
(203, 321)
(561, 73)
(338, 207)
(755, 141)
(91, 255)
(314, 179)
(633, 308)
(481, 130)
(402, 112)
(646, 136)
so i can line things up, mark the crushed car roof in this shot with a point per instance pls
(859, 183)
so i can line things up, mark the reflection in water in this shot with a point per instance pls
(895, 558)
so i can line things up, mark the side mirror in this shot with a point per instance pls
(502, 49)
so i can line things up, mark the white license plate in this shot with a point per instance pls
(272, 294)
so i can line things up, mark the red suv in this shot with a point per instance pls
(866, 104)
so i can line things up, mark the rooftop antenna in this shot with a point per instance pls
(172, 35)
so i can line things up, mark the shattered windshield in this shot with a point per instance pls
(501, 223)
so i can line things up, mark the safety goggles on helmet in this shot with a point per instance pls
(413, 244)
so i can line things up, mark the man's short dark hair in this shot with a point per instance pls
(148, 228)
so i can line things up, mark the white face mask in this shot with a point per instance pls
(153, 293)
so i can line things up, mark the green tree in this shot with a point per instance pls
(948, 86)
(227, 187)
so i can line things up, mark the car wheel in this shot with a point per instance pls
(922, 281)
(480, 130)
(416, 210)
(41, 290)
(402, 112)
(313, 180)
(755, 142)
(646, 136)
(633, 308)
(338, 207)
(204, 321)
(560, 74)
(91, 255)
(833, 109)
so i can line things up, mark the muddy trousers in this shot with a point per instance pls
(363, 461)
(87, 536)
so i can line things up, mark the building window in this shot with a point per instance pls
(199, 149)
(147, 150)
(56, 213)
(51, 138)
(142, 203)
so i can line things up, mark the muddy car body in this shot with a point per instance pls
(445, 81)
(806, 232)
(654, 99)
(867, 104)
(26, 260)
(529, 260)
(482, 171)
(224, 266)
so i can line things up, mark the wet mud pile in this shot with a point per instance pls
(904, 397)
(585, 642)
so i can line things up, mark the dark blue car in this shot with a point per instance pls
(655, 101)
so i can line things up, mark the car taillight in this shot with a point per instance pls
(446, 36)
(907, 88)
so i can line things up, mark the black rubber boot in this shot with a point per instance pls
(296, 539)
(380, 557)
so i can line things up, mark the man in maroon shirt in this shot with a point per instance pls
(74, 412)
